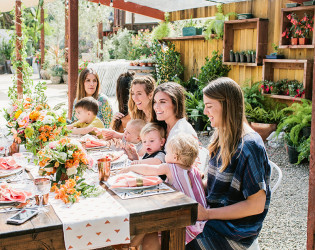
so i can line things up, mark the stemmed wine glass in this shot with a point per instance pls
(42, 187)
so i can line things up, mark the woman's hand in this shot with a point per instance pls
(118, 116)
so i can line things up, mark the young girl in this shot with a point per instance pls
(182, 151)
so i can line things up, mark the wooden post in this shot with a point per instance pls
(311, 191)
(42, 36)
(73, 53)
(100, 40)
(18, 45)
(66, 35)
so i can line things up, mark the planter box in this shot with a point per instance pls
(293, 154)
(292, 5)
(244, 16)
(274, 56)
(189, 31)
(309, 3)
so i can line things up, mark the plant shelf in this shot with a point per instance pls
(284, 97)
(262, 38)
(289, 64)
(285, 23)
(197, 37)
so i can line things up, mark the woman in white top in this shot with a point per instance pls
(169, 109)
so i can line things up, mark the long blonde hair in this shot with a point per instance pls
(149, 86)
(80, 86)
(227, 137)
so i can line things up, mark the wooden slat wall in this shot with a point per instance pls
(193, 52)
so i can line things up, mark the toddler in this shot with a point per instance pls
(85, 111)
(153, 139)
(181, 152)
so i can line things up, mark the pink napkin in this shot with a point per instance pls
(132, 181)
(7, 193)
(8, 163)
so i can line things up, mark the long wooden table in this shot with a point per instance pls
(169, 213)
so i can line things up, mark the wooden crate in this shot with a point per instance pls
(258, 24)
(285, 23)
(270, 65)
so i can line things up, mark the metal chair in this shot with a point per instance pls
(274, 166)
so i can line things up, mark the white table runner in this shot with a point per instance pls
(93, 222)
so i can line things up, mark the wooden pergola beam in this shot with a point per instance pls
(18, 45)
(133, 7)
(73, 52)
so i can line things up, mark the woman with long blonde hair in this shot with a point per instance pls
(238, 191)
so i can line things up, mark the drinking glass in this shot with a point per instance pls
(3, 143)
(42, 186)
(10, 140)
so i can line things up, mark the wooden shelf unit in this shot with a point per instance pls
(262, 38)
(290, 64)
(285, 23)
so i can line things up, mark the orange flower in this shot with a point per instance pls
(62, 119)
(28, 99)
(34, 115)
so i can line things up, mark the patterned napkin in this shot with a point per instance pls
(93, 222)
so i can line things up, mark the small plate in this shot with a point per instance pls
(133, 188)
(5, 173)
(121, 159)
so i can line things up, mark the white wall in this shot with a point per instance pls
(140, 18)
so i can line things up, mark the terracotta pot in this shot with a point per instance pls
(131, 64)
(150, 64)
(303, 41)
(263, 129)
(14, 148)
(294, 41)
(142, 64)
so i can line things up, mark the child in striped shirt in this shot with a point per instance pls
(182, 151)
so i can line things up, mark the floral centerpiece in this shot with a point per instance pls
(64, 158)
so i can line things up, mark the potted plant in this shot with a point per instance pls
(232, 58)
(249, 56)
(262, 120)
(189, 28)
(253, 54)
(275, 54)
(265, 86)
(151, 61)
(297, 116)
(244, 16)
(162, 30)
(307, 25)
(7, 50)
(295, 30)
(237, 56)
(242, 57)
(56, 74)
(275, 88)
(44, 72)
(214, 28)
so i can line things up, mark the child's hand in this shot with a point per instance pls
(135, 162)
(124, 170)
(107, 134)
(118, 116)
(131, 151)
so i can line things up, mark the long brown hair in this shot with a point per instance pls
(177, 94)
(227, 137)
(122, 94)
(149, 86)
(80, 86)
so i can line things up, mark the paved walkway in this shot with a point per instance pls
(56, 93)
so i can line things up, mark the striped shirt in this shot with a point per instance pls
(189, 182)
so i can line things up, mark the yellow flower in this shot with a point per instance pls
(18, 113)
(61, 119)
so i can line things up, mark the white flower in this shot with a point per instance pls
(10, 110)
(22, 116)
(49, 170)
(48, 119)
(71, 171)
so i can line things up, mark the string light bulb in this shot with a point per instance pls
(99, 4)
(111, 3)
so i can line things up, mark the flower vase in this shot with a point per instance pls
(304, 41)
(294, 41)
(14, 148)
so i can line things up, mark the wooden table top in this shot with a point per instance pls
(147, 214)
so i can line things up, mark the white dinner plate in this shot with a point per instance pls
(5, 173)
(121, 159)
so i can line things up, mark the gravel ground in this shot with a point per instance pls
(286, 222)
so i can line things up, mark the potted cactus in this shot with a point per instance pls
(232, 57)
(237, 56)
(242, 57)
(249, 56)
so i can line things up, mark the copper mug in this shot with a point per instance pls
(103, 165)
(44, 200)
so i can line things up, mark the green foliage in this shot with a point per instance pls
(216, 25)
(140, 45)
(168, 63)
(253, 96)
(57, 70)
(119, 45)
(304, 150)
(162, 30)
(298, 116)
(213, 69)
(6, 49)
(262, 115)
